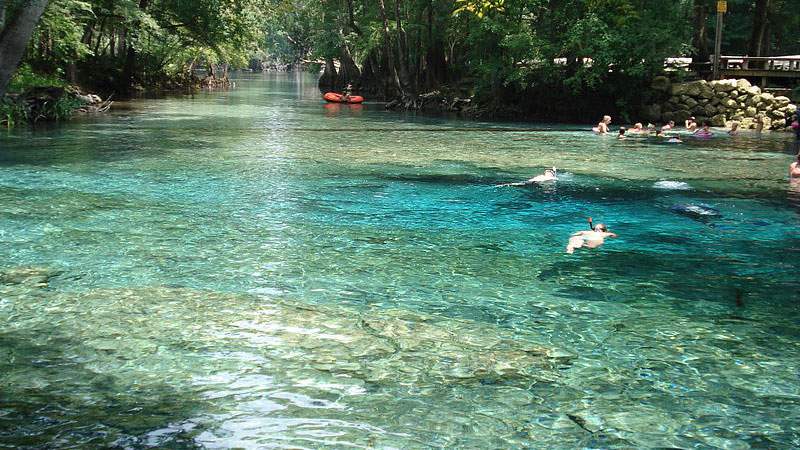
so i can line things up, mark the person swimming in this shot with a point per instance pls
(593, 238)
(550, 174)
(602, 126)
(734, 129)
(621, 134)
(705, 132)
(794, 168)
(691, 124)
(638, 128)
(669, 125)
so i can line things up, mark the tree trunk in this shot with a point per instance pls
(348, 70)
(759, 39)
(700, 38)
(435, 58)
(352, 18)
(327, 82)
(392, 79)
(15, 37)
(402, 52)
(129, 70)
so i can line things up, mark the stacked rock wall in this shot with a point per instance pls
(721, 102)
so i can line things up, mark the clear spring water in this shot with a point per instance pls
(252, 269)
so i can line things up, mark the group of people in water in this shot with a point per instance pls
(596, 235)
(701, 131)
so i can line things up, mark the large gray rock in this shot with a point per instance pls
(710, 110)
(706, 91)
(681, 116)
(678, 89)
(782, 101)
(754, 90)
(730, 103)
(693, 89)
(723, 85)
(778, 114)
(690, 102)
(750, 111)
(767, 97)
(719, 120)
(743, 84)
(778, 124)
(753, 100)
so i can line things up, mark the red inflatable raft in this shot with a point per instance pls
(339, 98)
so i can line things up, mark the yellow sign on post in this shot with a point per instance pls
(722, 6)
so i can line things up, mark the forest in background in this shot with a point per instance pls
(556, 59)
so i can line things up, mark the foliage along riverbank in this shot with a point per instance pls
(565, 60)
(554, 61)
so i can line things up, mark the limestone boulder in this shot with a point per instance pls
(706, 91)
(734, 94)
(716, 101)
(678, 89)
(767, 97)
(710, 110)
(730, 103)
(778, 124)
(754, 90)
(681, 116)
(750, 111)
(778, 114)
(689, 102)
(753, 100)
(723, 85)
(743, 84)
(782, 101)
(719, 120)
(694, 88)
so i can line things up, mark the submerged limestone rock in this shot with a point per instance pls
(27, 276)
(381, 346)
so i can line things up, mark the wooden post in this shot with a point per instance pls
(722, 8)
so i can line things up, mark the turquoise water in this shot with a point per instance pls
(252, 269)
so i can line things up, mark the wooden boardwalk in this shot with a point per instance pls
(760, 67)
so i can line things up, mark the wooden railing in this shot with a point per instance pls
(773, 63)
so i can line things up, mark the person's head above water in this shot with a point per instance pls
(551, 171)
(622, 130)
(606, 119)
(601, 227)
(638, 126)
